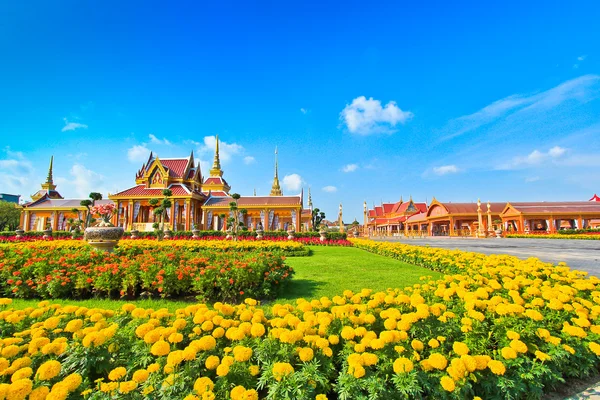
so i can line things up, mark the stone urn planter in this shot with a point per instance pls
(103, 238)
(19, 233)
(290, 233)
(135, 234)
(355, 234)
(259, 234)
(48, 233)
(168, 234)
(498, 233)
(323, 235)
(195, 233)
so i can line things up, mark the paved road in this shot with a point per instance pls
(578, 254)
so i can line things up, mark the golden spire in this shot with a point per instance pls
(310, 204)
(216, 168)
(49, 184)
(276, 189)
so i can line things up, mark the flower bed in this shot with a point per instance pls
(494, 327)
(211, 270)
(586, 236)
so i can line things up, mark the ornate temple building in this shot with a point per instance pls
(389, 219)
(480, 219)
(49, 209)
(204, 203)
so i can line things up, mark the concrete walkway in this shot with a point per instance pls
(582, 255)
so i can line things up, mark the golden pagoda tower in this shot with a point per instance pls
(216, 168)
(276, 188)
(48, 187)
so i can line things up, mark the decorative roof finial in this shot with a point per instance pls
(216, 168)
(276, 188)
(49, 184)
(254, 191)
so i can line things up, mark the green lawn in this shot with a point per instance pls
(331, 270)
(327, 272)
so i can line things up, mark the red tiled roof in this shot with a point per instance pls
(595, 198)
(378, 211)
(419, 217)
(255, 201)
(471, 208)
(556, 207)
(143, 191)
(422, 207)
(72, 203)
(217, 193)
(214, 180)
(306, 212)
(176, 166)
(372, 213)
(387, 207)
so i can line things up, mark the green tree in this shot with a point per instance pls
(94, 196)
(317, 217)
(10, 216)
(161, 210)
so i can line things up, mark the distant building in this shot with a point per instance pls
(11, 198)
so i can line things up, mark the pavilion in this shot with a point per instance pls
(544, 216)
(462, 219)
(49, 208)
(389, 219)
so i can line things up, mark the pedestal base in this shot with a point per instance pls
(108, 246)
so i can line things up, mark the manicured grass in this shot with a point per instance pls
(331, 270)
(328, 271)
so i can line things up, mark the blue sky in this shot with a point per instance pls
(365, 101)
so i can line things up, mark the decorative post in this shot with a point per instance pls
(489, 218)
(365, 229)
(479, 219)
(341, 220)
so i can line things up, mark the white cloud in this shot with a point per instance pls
(16, 173)
(329, 189)
(366, 116)
(581, 89)
(138, 153)
(82, 182)
(580, 59)
(350, 168)
(304, 110)
(445, 169)
(292, 182)
(249, 160)
(71, 126)
(226, 150)
(534, 158)
(155, 140)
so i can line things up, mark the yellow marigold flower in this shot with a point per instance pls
(160, 348)
(19, 390)
(212, 362)
(512, 335)
(595, 347)
(543, 333)
(151, 336)
(74, 325)
(128, 307)
(433, 343)
(369, 359)
(257, 330)
(154, 367)
(496, 367)
(347, 333)
(179, 324)
(22, 373)
(48, 370)
(568, 348)
(469, 362)
(39, 393)
(328, 352)
(460, 348)
(417, 345)
(175, 337)
(117, 373)
(127, 386)
(541, 356)
(222, 369)
(51, 322)
(553, 340)
(254, 370)
(518, 346)
(402, 365)
(508, 353)
(191, 397)
(280, 370)
(242, 353)
(140, 376)
(333, 339)
(175, 357)
(10, 351)
(203, 384)
(148, 389)
(438, 361)
(534, 315)
(238, 393)
(306, 354)
(357, 370)
(321, 397)
(447, 383)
